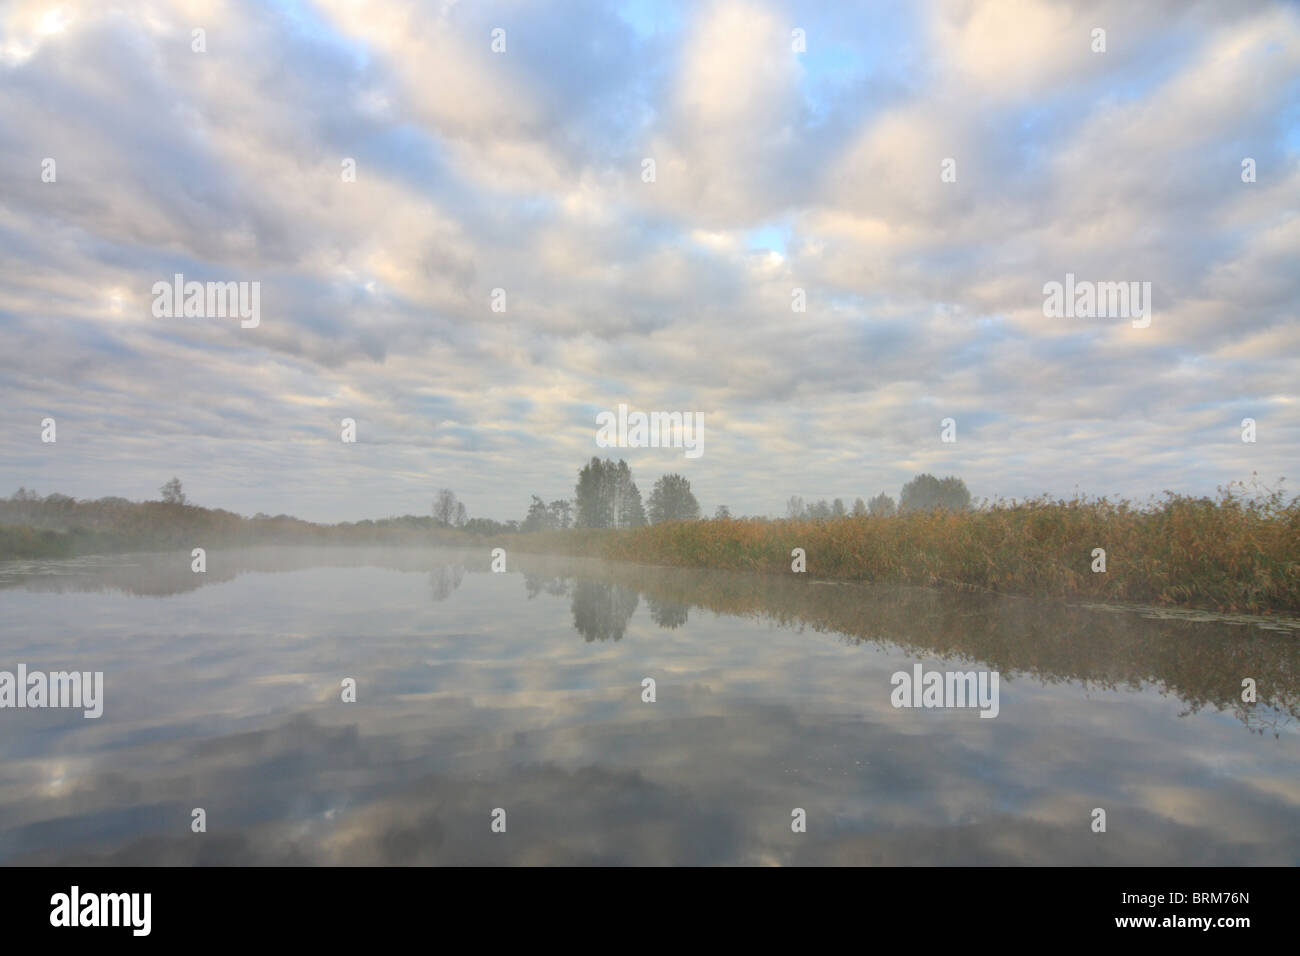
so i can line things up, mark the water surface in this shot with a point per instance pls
(523, 691)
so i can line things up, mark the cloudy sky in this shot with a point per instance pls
(775, 169)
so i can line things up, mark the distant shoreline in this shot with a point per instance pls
(1232, 553)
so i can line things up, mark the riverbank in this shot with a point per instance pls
(1227, 554)
(1234, 553)
(58, 526)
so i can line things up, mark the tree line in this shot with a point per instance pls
(605, 496)
(923, 493)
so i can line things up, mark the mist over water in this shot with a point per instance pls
(523, 690)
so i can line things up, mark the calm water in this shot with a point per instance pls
(523, 691)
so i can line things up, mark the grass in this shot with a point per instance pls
(1236, 552)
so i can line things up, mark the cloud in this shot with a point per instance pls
(521, 171)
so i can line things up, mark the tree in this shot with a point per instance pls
(172, 493)
(859, 508)
(926, 492)
(837, 508)
(595, 507)
(628, 510)
(539, 517)
(667, 614)
(794, 508)
(955, 494)
(444, 580)
(601, 611)
(561, 513)
(607, 497)
(488, 526)
(447, 511)
(722, 514)
(881, 506)
(671, 500)
(634, 514)
(819, 511)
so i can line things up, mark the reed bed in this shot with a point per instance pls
(1237, 552)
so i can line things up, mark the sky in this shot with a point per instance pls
(795, 146)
